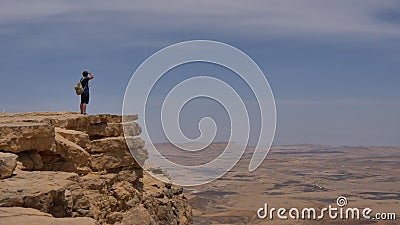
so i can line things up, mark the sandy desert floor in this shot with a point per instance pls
(300, 176)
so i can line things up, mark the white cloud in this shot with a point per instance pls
(252, 19)
(19, 11)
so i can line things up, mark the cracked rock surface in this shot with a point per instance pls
(67, 168)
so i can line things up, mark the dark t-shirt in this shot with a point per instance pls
(85, 84)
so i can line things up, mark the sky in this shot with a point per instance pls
(333, 66)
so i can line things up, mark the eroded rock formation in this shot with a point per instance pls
(67, 168)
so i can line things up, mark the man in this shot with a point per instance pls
(85, 95)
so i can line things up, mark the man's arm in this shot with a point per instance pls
(91, 76)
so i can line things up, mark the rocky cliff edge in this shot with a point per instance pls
(67, 168)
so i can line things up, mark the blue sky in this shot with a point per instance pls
(334, 66)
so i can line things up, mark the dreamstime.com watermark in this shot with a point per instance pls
(338, 211)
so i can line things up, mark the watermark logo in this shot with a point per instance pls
(151, 71)
(331, 212)
(341, 201)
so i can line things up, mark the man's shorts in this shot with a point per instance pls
(85, 98)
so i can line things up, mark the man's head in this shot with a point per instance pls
(85, 73)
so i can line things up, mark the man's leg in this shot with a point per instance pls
(84, 102)
(84, 108)
(81, 107)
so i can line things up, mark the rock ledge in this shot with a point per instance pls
(67, 168)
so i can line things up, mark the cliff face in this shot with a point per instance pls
(67, 168)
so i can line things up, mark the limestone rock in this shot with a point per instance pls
(8, 162)
(138, 216)
(113, 152)
(44, 190)
(112, 160)
(106, 197)
(102, 130)
(22, 136)
(131, 129)
(135, 142)
(106, 129)
(78, 122)
(137, 150)
(101, 178)
(127, 118)
(23, 216)
(77, 137)
(31, 160)
(71, 151)
(55, 162)
(167, 201)
(109, 144)
(96, 125)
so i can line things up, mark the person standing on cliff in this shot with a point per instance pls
(85, 95)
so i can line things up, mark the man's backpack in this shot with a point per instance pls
(79, 88)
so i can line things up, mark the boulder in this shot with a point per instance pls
(8, 162)
(70, 151)
(42, 190)
(64, 156)
(77, 137)
(24, 136)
